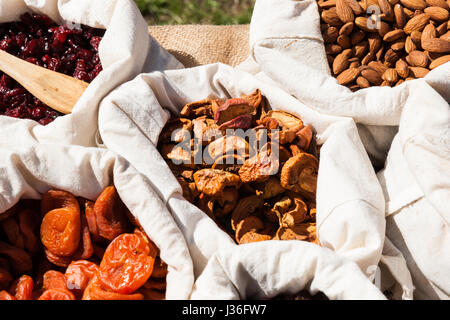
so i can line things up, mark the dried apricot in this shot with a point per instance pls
(12, 232)
(95, 291)
(4, 295)
(57, 294)
(79, 273)
(56, 199)
(91, 219)
(54, 280)
(60, 231)
(159, 268)
(127, 264)
(110, 214)
(22, 288)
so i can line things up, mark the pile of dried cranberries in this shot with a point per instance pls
(68, 248)
(251, 169)
(39, 40)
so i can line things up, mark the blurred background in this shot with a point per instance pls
(218, 12)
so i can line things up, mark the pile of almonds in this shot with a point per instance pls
(409, 38)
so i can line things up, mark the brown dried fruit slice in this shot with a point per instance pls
(20, 260)
(299, 174)
(275, 213)
(249, 224)
(231, 109)
(60, 231)
(12, 231)
(205, 130)
(304, 232)
(297, 215)
(110, 214)
(245, 208)
(304, 137)
(272, 188)
(28, 224)
(227, 202)
(175, 130)
(259, 168)
(251, 237)
(199, 108)
(212, 182)
(254, 99)
(228, 145)
(179, 155)
(230, 163)
(289, 124)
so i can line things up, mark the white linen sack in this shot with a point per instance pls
(28, 171)
(350, 204)
(125, 51)
(286, 44)
(266, 270)
(416, 185)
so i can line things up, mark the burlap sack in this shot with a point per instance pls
(30, 170)
(286, 45)
(288, 267)
(125, 51)
(195, 45)
(350, 205)
(416, 185)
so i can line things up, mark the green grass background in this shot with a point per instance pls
(158, 12)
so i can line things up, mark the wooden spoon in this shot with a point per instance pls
(59, 91)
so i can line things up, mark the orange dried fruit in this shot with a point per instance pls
(249, 224)
(55, 199)
(54, 280)
(4, 295)
(95, 291)
(110, 214)
(127, 264)
(22, 288)
(60, 231)
(91, 219)
(253, 236)
(57, 294)
(245, 207)
(79, 273)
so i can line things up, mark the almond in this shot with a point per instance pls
(416, 37)
(441, 29)
(330, 35)
(348, 76)
(399, 82)
(374, 42)
(360, 49)
(439, 61)
(354, 64)
(400, 17)
(368, 57)
(357, 36)
(436, 45)
(385, 84)
(437, 3)
(333, 49)
(393, 35)
(390, 57)
(390, 75)
(428, 32)
(409, 45)
(366, 25)
(340, 63)
(355, 7)
(380, 53)
(408, 13)
(330, 16)
(437, 13)
(416, 23)
(414, 4)
(372, 76)
(393, 2)
(398, 45)
(402, 68)
(445, 36)
(417, 59)
(344, 12)
(347, 29)
(344, 41)
(419, 72)
(378, 67)
(362, 82)
(385, 6)
(327, 4)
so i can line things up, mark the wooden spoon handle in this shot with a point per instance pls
(59, 91)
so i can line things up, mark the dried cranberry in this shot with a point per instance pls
(39, 40)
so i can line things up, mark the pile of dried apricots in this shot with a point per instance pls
(69, 248)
